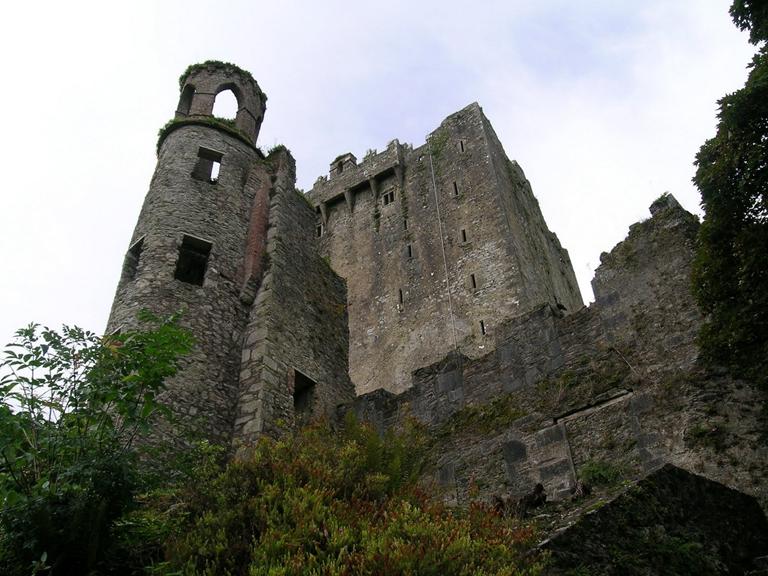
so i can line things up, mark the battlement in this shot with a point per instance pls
(347, 178)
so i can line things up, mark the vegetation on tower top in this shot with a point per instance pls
(227, 67)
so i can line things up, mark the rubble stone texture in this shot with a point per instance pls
(424, 283)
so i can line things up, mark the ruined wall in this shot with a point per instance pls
(614, 386)
(294, 356)
(434, 247)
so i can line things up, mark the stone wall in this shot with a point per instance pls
(439, 245)
(614, 386)
(294, 357)
(235, 252)
(178, 204)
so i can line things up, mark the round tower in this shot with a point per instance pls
(187, 251)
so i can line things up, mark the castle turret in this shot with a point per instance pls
(225, 237)
(188, 249)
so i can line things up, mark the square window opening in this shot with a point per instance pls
(388, 198)
(193, 260)
(303, 394)
(131, 262)
(208, 165)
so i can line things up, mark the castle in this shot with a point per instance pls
(422, 283)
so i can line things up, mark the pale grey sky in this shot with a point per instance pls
(603, 103)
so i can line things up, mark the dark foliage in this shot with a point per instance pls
(731, 268)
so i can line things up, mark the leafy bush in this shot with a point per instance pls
(731, 267)
(336, 502)
(71, 406)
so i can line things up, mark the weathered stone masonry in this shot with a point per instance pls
(234, 252)
(401, 222)
(616, 383)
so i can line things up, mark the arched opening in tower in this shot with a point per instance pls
(225, 105)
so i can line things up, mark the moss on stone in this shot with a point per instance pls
(482, 419)
(227, 67)
(600, 473)
(225, 124)
(437, 142)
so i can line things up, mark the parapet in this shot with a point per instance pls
(347, 176)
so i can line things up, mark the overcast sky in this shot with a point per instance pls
(603, 103)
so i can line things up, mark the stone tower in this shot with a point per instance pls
(212, 240)
(439, 245)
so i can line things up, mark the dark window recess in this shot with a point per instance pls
(400, 296)
(193, 260)
(131, 263)
(388, 198)
(474, 281)
(208, 165)
(319, 230)
(482, 328)
(405, 223)
(455, 189)
(185, 102)
(409, 250)
(303, 394)
(463, 235)
(461, 145)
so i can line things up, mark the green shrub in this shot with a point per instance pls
(71, 406)
(342, 501)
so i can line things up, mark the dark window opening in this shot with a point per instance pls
(405, 223)
(388, 198)
(303, 394)
(463, 235)
(340, 167)
(461, 145)
(482, 328)
(208, 165)
(319, 230)
(474, 281)
(400, 296)
(409, 251)
(193, 260)
(455, 189)
(131, 263)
